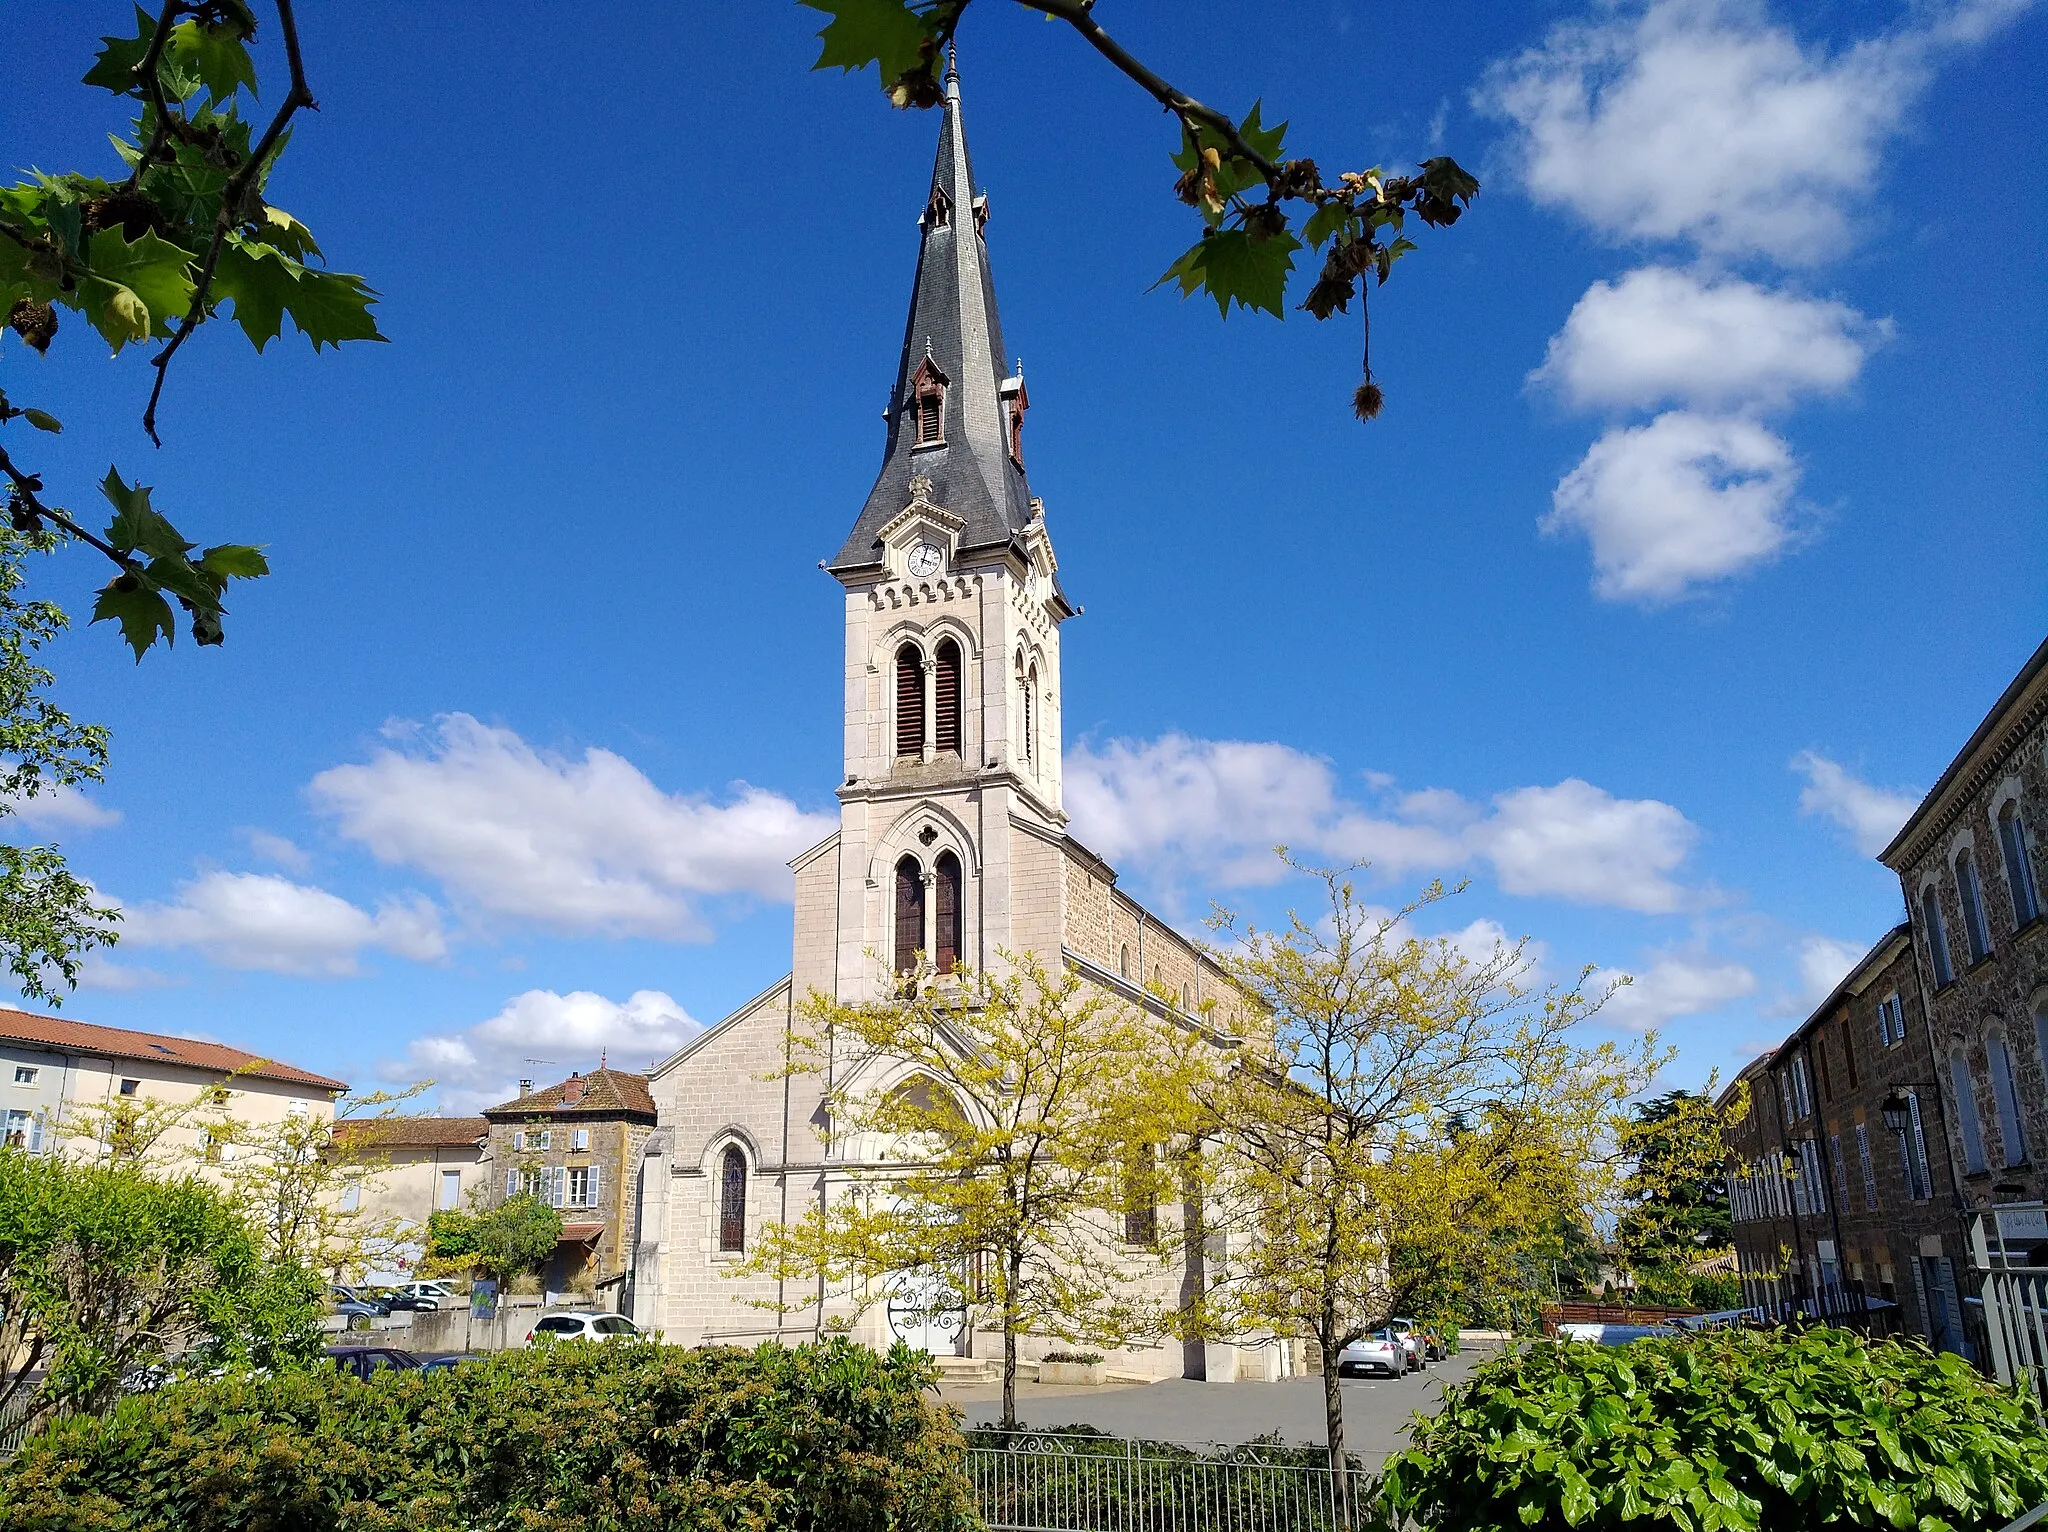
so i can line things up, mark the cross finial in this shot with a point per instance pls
(952, 62)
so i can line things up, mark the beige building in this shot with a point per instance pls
(69, 1085)
(416, 1167)
(953, 839)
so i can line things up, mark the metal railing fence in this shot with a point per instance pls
(1046, 1482)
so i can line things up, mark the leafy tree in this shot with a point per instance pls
(1249, 242)
(106, 1268)
(1676, 1194)
(1021, 1118)
(49, 919)
(507, 1241)
(1334, 1152)
(152, 256)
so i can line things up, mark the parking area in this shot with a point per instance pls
(1376, 1410)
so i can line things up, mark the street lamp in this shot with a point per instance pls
(1898, 1112)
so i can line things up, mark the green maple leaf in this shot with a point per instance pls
(1234, 267)
(260, 281)
(114, 68)
(887, 33)
(137, 525)
(214, 55)
(155, 271)
(330, 307)
(1331, 218)
(140, 610)
(235, 561)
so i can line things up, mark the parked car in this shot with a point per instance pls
(581, 1324)
(1432, 1346)
(356, 1304)
(1614, 1335)
(1379, 1354)
(446, 1363)
(361, 1361)
(398, 1300)
(441, 1295)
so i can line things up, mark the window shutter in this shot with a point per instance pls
(512, 1182)
(929, 407)
(561, 1187)
(909, 701)
(946, 684)
(596, 1186)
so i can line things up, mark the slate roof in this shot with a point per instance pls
(65, 1036)
(605, 1093)
(953, 310)
(413, 1132)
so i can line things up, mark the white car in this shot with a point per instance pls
(440, 1295)
(582, 1324)
(1378, 1353)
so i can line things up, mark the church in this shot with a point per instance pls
(951, 840)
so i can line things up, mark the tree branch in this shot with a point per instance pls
(27, 485)
(1079, 14)
(152, 84)
(300, 95)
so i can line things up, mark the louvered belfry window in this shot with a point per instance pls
(947, 696)
(946, 911)
(909, 701)
(732, 1200)
(909, 914)
(930, 418)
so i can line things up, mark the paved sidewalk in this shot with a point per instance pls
(1376, 1410)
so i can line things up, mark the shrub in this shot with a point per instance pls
(1084, 1357)
(1742, 1429)
(625, 1438)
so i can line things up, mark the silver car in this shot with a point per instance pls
(1379, 1353)
(582, 1324)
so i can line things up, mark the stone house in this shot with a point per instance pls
(953, 843)
(414, 1168)
(576, 1145)
(1837, 1177)
(1970, 863)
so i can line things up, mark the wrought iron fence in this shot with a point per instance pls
(1047, 1482)
(2009, 1249)
(14, 1424)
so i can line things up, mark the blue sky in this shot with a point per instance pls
(1703, 523)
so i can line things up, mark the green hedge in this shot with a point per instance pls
(595, 1438)
(1762, 1430)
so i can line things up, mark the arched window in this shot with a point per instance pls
(1965, 1086)
(1187, 998)
(1123, 961)
(946, 912)
(909, 914)
(1972, 899)
(928, 403)
(946, 697)
(909, 701)
(732, 1199)
(2012, 1143)
(2019, 866)
(1031, 714)
(1937, 935)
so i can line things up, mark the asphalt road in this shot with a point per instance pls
(1376, 1410)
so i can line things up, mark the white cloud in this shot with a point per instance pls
(1211, 811)
(59, 807)
(1659, 336)
(586, 846)
(1871, 815)
(1676, 503)
(261, 921)
(482, 1065)
(1579, 842)
(1703, 120)
(1822, 963)
(1675, 987)
(276, 848)
(108, 977)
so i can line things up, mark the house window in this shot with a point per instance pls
(1869, 1170)
(130, 1087)
(544, 1139)
(732, 1200)
(580, 1139)
(518, 1140)
(909, 701)
(946, 696)
(351, 1196)
(25, 1074)
(946, 893)
(1123, 961)
(1937, 935)
(1031, 714)
(1891, 1021)
(2012, 1145)
(1841, 1170)
(1802, 1097)
(17, 1130)
(578, 1189)
(2019, 866)
(1141, 1196)
(451, 1190)
(1972, 899)
(909, 914)
(1966, 1111)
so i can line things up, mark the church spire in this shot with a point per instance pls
(955, 415)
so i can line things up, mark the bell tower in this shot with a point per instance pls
(953, 614)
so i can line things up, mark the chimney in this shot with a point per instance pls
(526, 1087)
(572, 1090)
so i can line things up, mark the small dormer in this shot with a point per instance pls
(1015, 402)
(939, 211)
(928, 403)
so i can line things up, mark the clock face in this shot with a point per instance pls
(925, 561)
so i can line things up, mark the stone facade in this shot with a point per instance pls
(1971, 865)
(577, 1145)
(952, 843)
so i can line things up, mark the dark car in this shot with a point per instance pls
(354, 1304)
(409, 1302)
(361, 1361)
(446, 1363)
